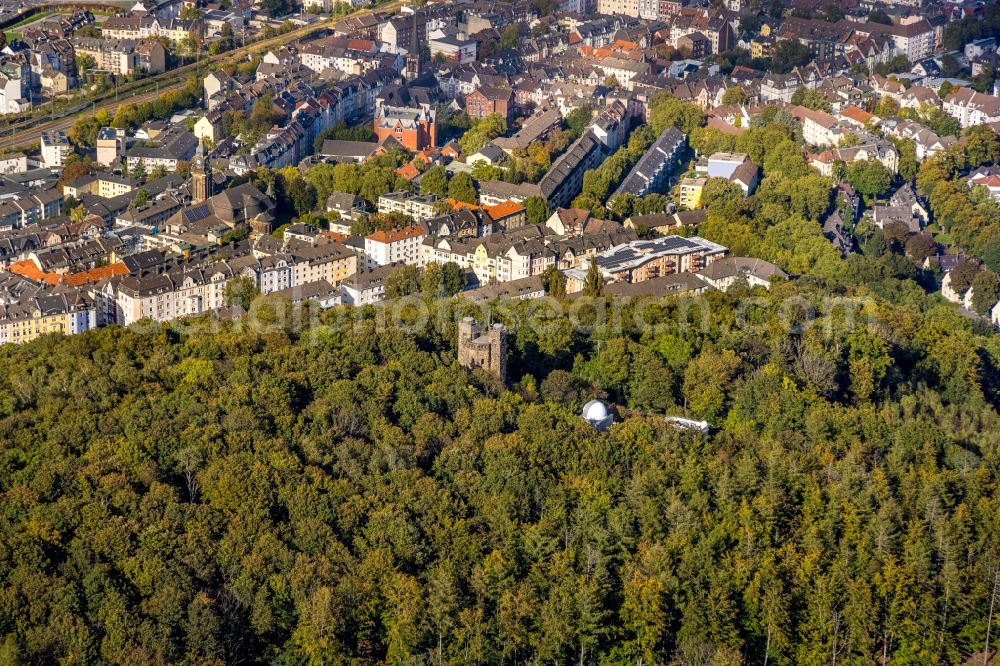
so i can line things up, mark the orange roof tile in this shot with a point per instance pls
(624, 45)
(856, 114)
(988, 181)
(408, 171)
(504, 209)
(393, 235)
(95, 274)
(459, 205)
(30, 270)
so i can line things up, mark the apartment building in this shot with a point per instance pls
(142, 27)
(169, 295)
(351, 56)
(724, 273)
(166, 150)
(646, 259)
(123, 57)
(115, 56)
(913, 37)
(655, 168)
(66, 312)
(819, 128)
(395, 245)
(13, 88)
(879, 150)
(564, 179)
(416, 206)
(971, 108)
(29, 206)
(367, 286)
(622, 7)
(690, 192)
(487, 100)
(55, 149)
(713, 25)
(722, 165)
(104, 185)
(13, 163)
(451, 48)
(331, 262)
(110, 145)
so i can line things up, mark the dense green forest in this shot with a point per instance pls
(351, 495)
(347, 494)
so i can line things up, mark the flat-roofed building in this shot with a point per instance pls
(645, 259)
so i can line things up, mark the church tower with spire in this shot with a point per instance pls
(201, 186)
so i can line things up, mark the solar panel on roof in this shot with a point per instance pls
(198, 212)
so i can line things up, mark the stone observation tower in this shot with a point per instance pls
(483, 349)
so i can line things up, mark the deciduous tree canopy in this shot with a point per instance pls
(352, 495)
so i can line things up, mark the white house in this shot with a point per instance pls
(55, 149)
(12, 89)
(366, 287)
(13, 163)
(971, 108)
(723, 273)
(396, 245)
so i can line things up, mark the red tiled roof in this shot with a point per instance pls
(624, 45)
(95, 274)
(459, 205)
(504, 209)
(408, 171)
(723, 126)
(30, 270)
(856, 114)
(394, 235)
(988, 181)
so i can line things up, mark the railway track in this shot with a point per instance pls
(25, 133)
(30, 136)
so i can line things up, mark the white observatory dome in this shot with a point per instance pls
(595, 410)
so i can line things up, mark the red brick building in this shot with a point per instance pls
(414, 128)
(488, 100)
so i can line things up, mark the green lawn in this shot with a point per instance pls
(34, 17)
(939, 236)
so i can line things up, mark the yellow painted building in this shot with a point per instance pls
(691, 190)
(24, 329)
(484, 265)
(104, 185)
(109, 188)
(332, 262)
(761, 47)
(58, 313)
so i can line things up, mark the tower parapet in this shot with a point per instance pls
(483, 348)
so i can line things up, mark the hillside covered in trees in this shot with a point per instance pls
(352, 495)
